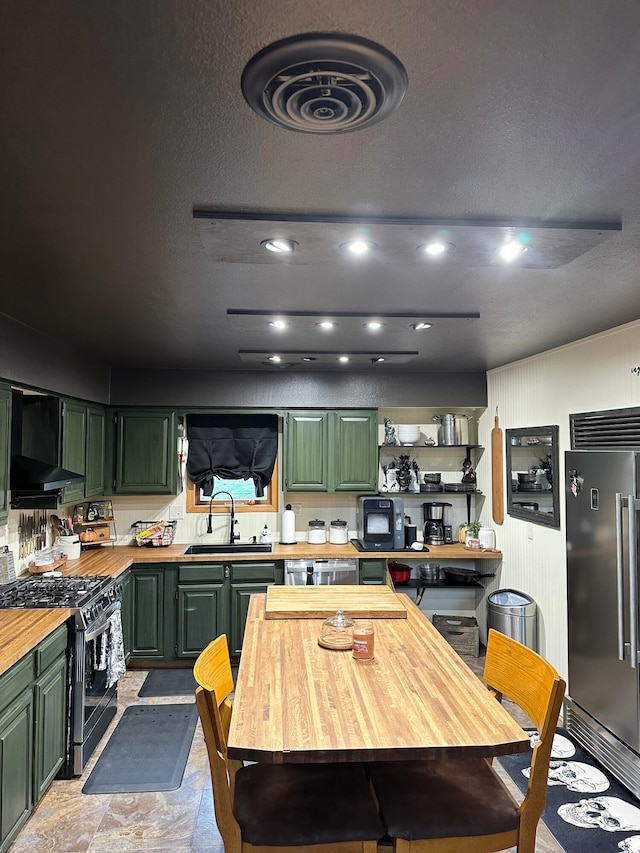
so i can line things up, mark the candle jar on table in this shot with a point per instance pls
(363, 640)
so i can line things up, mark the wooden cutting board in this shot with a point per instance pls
(497, 474)
(319, 602)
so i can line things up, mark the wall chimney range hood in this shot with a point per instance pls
(34, 483)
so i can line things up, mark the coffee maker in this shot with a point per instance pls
(437, 530)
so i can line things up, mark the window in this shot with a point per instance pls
(243, 492)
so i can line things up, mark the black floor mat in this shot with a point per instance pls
(168, 682)
(147, 751)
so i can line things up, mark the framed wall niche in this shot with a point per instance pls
(532, 474)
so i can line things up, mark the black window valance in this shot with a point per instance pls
(231, 447)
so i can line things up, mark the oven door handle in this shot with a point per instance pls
(94, 631)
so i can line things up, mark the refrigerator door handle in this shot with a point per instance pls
(620, 574)
(633, 582)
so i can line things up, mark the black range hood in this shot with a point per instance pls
(34, 484)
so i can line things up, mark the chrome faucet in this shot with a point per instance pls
(232, 520)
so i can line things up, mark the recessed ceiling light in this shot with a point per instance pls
(511, 250)
(275, 358)
(358, 247)
(344, 358)
(277, 324)
(327, 324)
(419, 327)
(279, 245)
(378, 360)
(308, 358)
(373, 325)
(436, 248)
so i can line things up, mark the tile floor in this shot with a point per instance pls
(182, 821)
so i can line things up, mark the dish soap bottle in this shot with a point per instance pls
(265, 536)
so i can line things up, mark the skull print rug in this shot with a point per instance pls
(586, 808)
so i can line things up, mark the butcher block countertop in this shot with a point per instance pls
(302, 602)
(22, 630)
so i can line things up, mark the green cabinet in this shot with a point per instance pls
(148, 611)
(126, 606)
(50, 710)
(372, 571)
(5, 450)
(73, 447)
(177, 609)
(33, 731)
(16, 749)
(146, 461)
(331, 451)
(94, 486)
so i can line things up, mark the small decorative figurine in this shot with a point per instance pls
(390, 437)
(468, 472)
(406, 474)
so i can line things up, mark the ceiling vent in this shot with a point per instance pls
(324, 83)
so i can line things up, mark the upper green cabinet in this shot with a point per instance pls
(95, 452)
(73, 450)
(5, 450)
(331, 451)
(146, 460)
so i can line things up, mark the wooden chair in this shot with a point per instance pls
(462, 806)
(266, 808)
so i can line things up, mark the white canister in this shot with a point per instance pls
(69, 545)
(338, 532)
(487, 537)
(317, 532)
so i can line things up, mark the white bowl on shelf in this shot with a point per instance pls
(408, 433)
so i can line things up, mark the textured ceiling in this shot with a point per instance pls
(119, 119)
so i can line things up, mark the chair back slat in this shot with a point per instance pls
(212, 671)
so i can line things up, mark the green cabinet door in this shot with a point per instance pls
(239, 605)
(16, 765)
(146, 453)
(147, 631)
(95, 450)
(201, 617)
(306, 442)
(50, 704)
(73, 447)
(354, 451)
(5, 450)
(127, 612)
(373, 571)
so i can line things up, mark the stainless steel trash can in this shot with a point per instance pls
(515, 614)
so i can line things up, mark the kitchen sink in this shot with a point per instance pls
(236, 548)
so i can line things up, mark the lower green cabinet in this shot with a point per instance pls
(33, 718)
(373, 571)
(50, 706)
(173, 611)
(201, 614)
(16, 765)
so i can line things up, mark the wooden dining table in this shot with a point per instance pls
(298, 702)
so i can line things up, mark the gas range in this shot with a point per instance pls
(88, 597)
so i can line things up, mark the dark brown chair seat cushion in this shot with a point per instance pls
(293, 804)
(440, 799)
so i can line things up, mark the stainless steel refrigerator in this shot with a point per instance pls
(603, 709)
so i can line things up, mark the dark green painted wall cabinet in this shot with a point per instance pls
(73, 447)
(146, 459)
(95, 453)
(331, 451)
(5, 450)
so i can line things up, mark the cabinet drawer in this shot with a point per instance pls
(262, 572)
(201, 572)
(51, 648)
(16, 680)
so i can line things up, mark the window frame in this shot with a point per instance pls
(197, 504)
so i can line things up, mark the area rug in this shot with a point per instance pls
(147, 751)
(168, 682)
(586, 808)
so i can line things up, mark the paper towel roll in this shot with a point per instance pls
(288, 532)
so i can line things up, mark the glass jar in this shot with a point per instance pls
(337, 632)
(317, 532)
(363, 640)
(338, 532)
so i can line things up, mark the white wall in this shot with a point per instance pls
(591, 374)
